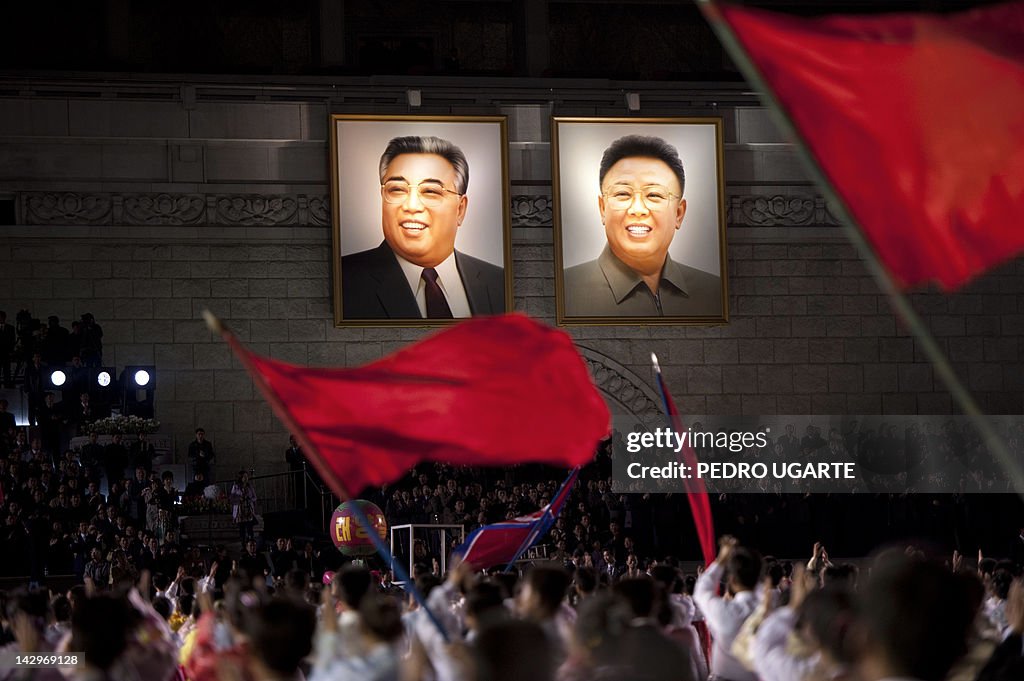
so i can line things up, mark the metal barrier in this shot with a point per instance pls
(287, 491)
(440, 547)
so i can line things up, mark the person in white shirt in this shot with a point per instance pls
(725, 616)
(428, 646)
(808, 636)
(340, 636)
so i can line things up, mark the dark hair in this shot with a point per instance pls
(415, 144)
(828, 613)
(600, 621)
(100, 627)
(31, 602)
(745, 567)
(632, 146)
(382, 617)
(550, 584)
(188, 605)
(484, 597)
(500, 647)
(163, 607)
(61, 607)
(281, 633)
(668, 577)
(161, 581)
(917, 614)
(296, 580)
(586, 579)
(427, 582)
(1001, 581)
(187, 586)
(640, 594)
(354, 583)
(840, 574)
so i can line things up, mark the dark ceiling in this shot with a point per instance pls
(629, 40)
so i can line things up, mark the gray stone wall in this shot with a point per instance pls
(147, 213)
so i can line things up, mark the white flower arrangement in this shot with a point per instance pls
(124, 424)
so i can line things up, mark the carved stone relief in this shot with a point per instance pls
(69, 208)
(779, 211)
(164, 209)
(531, 211)
(66, 208)
(255, 210)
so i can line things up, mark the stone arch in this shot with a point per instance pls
(631, 399)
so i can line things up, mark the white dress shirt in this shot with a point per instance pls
(772, 661)
(724, 619)
(447, 278)
(442, 601)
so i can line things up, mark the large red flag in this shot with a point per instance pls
(487, 392)
(916, 120)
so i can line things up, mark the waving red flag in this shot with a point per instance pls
(917, 121)
(503, 543)
(490, 391)
(696, 491)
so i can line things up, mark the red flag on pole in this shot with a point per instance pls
(917, 121)
(696, 492)
(502, 543)
(490, 391)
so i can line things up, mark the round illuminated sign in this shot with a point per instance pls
(349, 536)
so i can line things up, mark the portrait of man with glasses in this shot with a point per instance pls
(416, 272)
(642, 207)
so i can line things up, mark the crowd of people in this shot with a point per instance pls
(605, 597)
(603, 602)
(902, 615)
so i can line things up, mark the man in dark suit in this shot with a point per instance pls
(200, 453)
(7, 422)
(416, 273)
(8, 339)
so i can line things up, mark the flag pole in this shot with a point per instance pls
(733, 46)
(328, 475)
(705, 532)
(531, 536)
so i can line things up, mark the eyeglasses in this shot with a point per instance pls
(620, 196)
(431, 194)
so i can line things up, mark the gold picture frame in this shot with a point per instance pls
(369, 274)
(606, 289)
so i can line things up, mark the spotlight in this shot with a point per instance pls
(58, 377)
(102, 388)
(139, 383)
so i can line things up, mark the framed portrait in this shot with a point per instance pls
(639, 221)
(421, 225)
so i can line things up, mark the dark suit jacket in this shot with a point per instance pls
(373, 286)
